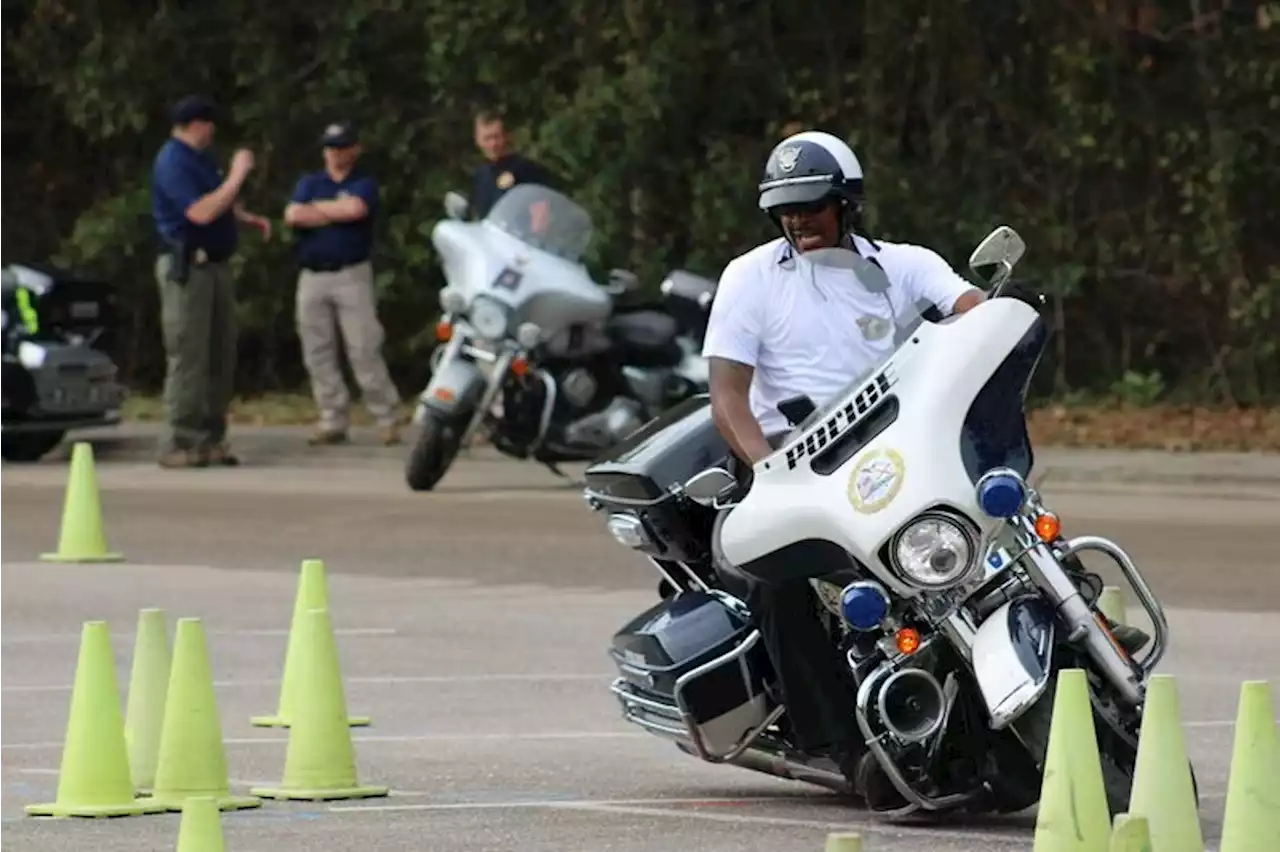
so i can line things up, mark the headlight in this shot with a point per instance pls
(452, 301)
(32, 355)
(489, 318)
(934, 551)
(628, 531)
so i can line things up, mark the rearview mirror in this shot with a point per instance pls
(707, 487)
(455, 205)
(1002, 249)
(621, 281)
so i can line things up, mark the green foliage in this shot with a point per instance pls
(1135, 145)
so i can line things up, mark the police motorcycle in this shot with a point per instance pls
(945, 580)
(534, 351)
(56, 375)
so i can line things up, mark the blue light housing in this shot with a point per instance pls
(1001, 495)
(864, 604)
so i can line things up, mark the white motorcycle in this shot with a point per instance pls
(942, 577)
(534, 351)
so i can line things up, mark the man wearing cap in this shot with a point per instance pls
(196, 210)
(333, 211)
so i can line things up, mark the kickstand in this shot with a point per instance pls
(551, 466)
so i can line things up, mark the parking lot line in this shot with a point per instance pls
(406, 738)
(32, 638)
(479, 677)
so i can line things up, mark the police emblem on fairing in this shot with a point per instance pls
(788, 158)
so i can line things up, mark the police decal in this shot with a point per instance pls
(788, 158)
(506, 180)
(875, 481)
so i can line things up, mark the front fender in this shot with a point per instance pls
(456, 387)
(1012, 653)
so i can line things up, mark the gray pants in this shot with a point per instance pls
(347, 296)
(197, 320)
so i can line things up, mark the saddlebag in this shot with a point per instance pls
(694, 670)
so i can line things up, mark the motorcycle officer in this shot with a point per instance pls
(782, 325)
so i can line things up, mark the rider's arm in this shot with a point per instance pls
(732, 346)
(933, 279)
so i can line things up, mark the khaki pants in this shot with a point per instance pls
(197, 320)
(347, 296)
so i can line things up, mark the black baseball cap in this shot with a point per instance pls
(193, 108)
(340, 134)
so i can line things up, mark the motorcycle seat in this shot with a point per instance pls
(645, 338)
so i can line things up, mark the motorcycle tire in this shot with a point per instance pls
(434, 450)
(28, 446)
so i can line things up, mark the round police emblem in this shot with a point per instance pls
(875, 481)
(788, 158)
(506, 180)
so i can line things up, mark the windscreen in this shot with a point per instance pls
(544, 219)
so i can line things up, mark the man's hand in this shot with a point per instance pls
(300, 215)
(241, 163)
(731, 408)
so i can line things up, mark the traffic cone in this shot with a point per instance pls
(1073, 814)
(1251, 820)
(191, 761)
(148, 684)
(320, 760)
(94, 778)
(843, 841)
(201, 826)
(1132, 834)
(82, 538)
(1111, 604)
(1162, 788)
(313, 593)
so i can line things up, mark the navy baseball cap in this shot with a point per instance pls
(193, 108)
(340, 134)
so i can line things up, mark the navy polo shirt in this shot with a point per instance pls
(340, 243)
(494, 178)
(180, 175)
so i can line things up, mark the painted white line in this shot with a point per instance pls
(523, 677)
(32, 638)
(653, 807)
(533, 736)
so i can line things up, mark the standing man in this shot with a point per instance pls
(502, 168)
(195, 209)
(333, 210)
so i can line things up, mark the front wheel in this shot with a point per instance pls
(433, 452)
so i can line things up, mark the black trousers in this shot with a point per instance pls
(818, 689)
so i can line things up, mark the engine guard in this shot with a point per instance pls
(1012, 654)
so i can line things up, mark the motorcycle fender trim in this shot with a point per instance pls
(1012, 651)
(456, 386)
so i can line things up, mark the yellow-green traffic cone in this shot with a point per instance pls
(1131, 834)
(1111, 604)
(1073, 815)
(81, 538)
(94, 779)
(1162, 788)
(320, 760)
(201, 826)
(192, 761)
(148, 685)
(843, 841)
(1251, 821)
(313, 593)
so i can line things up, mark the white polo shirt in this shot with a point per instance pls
(811, 329)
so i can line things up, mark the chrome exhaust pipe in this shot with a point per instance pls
(912, 705)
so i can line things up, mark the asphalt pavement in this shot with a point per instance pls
(472, 623)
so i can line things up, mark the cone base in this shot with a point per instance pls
(81, 558)
(174, 801)
(322, 794)
(281, 722)
(121, 809)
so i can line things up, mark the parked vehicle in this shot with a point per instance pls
(537, 353)
(56, 376)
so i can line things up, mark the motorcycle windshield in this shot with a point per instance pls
(889, 320)
(544, 219)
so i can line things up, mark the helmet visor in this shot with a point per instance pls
(796, 192)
